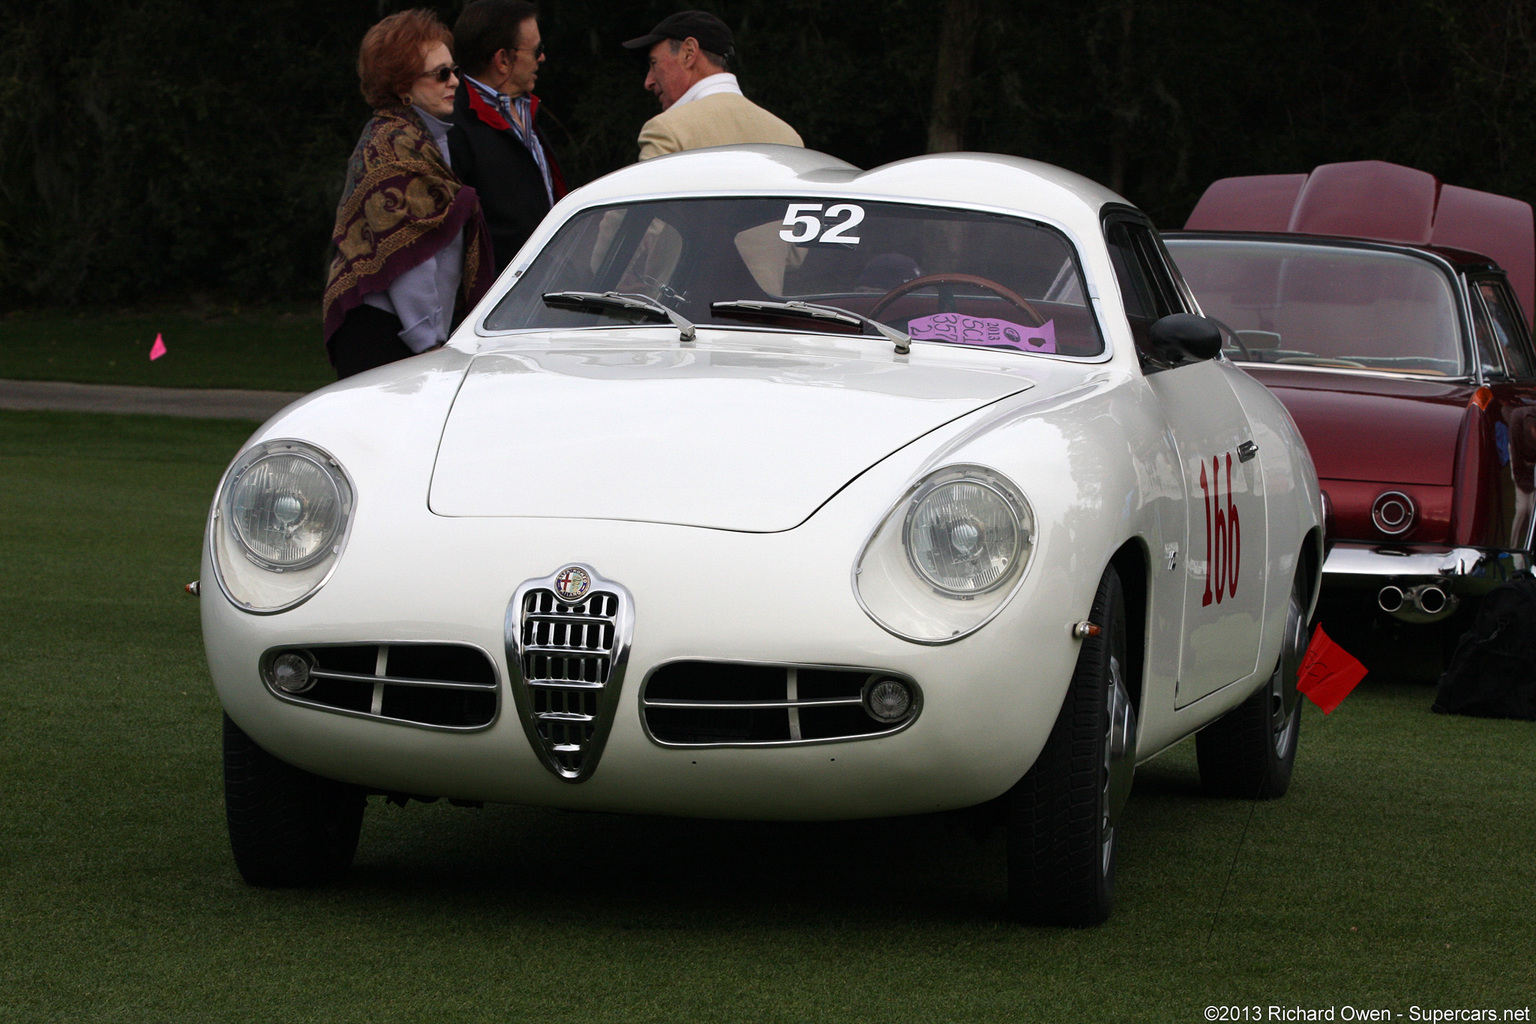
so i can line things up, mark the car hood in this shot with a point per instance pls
(1373, 428)
(726, 438)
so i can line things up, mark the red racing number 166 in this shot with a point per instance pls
(1223, 532)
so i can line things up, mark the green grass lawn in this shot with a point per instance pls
(270, 349)
(1399, 872)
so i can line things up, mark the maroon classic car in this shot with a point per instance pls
(1384, 309)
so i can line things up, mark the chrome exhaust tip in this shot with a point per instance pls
(1430, 600)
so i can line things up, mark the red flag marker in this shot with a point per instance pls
(157, 349)
(1328, 672)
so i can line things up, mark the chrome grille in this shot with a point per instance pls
(436, 686)
(567, 658)
(734, 704)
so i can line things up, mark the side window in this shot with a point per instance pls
(1504, 326)
(1487, 346)
(1145, 281)
(1135, 289)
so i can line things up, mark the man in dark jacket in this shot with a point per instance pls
(495, 144)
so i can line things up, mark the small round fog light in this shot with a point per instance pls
(290, 672)
(887, 699)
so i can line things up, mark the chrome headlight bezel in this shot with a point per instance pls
(933, 518)
(254, 577)
(894, 580)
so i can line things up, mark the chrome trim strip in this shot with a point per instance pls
(756, 705)
(792, 694)
(431, 684)
(555, 684)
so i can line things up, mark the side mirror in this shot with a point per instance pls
(1184, 337)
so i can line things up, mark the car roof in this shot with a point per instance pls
(1380, 201)
(961, 179)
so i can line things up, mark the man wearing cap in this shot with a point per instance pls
(701, 102)
(495, 145)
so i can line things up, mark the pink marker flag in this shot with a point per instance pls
(1328, 672)
(157, 349)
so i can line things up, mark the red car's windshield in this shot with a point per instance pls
(1324, 305)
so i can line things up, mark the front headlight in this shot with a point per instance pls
(279, 524)
(964, 536)
(947, 556)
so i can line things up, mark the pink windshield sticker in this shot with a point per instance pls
(984, 330)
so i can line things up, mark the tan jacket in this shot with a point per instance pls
(723, 119)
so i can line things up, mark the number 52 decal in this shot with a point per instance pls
(1223, 532)
(803, 223)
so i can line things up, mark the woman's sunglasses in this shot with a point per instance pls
(442, 74)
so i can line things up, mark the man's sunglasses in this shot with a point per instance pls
(537, 51)
(442, 74)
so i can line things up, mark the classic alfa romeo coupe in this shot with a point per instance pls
(764, 487)
(1385, 310)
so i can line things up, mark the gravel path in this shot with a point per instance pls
(199, 403)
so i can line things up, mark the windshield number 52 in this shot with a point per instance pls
(805, 222)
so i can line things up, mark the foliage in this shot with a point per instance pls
(168, 148)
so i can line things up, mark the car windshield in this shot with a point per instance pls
(1324, 305)
(940, 275)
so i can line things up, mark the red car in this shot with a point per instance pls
(1384, 310)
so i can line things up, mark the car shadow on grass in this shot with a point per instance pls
(614, 866)
(670, 872)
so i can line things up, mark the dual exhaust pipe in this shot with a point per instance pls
(1427, 602)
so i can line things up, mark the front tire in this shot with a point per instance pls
(1062, 816)
(287, 827)
(1250, 752)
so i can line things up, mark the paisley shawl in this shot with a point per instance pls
(401, 204)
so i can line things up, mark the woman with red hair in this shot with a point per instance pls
(411, 251)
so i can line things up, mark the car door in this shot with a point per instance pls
(1211, 579)
(1509, 373)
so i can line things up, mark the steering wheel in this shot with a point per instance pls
(947, 301)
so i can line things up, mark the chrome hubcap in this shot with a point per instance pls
(1119, 760)
(1283, 698)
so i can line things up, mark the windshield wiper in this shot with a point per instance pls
(606, 302)
(753, 309)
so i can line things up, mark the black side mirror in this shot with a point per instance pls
(1184, 337)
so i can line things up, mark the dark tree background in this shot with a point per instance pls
(166, 149)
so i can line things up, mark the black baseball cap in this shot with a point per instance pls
(710, 31)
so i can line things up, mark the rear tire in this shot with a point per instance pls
(1062, 815)
(287, 827)
(1250, 752)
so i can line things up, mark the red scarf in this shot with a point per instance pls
(401, 204)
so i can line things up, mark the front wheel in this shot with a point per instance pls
(1062, 816)
(1250, 752)
(287, 827)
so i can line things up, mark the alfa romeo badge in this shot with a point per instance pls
(572, 583)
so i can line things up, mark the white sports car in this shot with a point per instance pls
(764, 487)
